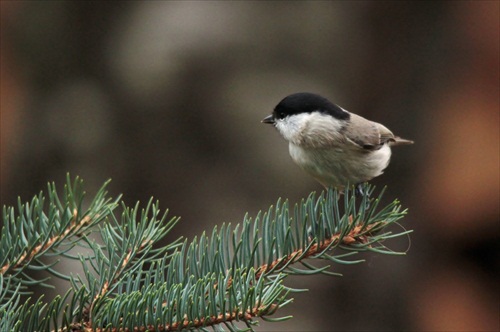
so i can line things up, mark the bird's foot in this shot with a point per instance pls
(360, 192)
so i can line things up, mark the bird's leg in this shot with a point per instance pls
(359, 192)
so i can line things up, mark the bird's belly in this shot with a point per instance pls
(337, 166)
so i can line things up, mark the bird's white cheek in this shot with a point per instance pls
(382, 158)
(289, 130)
(314, 130)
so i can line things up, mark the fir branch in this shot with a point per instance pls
(359, 234)
(286, 240)
(42, 232)
(232, 276)
(128, 246)
(247, 299)
(33, 234)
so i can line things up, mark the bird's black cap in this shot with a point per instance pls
(305, 102)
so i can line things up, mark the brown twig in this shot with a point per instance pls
(357, 234)
(257, 311)
(105, 288)
(28, 256)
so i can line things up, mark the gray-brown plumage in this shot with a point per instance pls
(371, 135)
(333, 145)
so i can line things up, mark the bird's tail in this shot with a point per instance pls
(400, 141)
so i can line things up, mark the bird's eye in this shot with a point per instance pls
(281, 115)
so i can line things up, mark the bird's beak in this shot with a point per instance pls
(268, 119)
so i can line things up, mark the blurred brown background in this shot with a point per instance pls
(166, 99)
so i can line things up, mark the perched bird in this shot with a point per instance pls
(333, 145)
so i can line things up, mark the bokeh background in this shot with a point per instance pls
(166, 98)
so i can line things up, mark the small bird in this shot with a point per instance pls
(333, 145)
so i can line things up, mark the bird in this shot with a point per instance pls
(336, 147)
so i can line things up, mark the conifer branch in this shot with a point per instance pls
(74, 228)
(358, 234)
(227, 319)
(233, 276)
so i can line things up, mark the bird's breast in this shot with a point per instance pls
(337, 166)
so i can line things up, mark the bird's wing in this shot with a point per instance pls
(366, 134)
(369, 135)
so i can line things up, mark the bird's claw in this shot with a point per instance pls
(359, 192)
